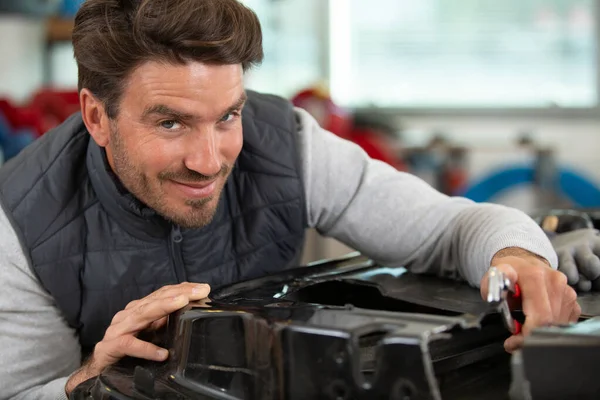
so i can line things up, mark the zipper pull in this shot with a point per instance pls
(176, 235)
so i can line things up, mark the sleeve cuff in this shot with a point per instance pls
(527, 237)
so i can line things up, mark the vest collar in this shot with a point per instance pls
(134, 216)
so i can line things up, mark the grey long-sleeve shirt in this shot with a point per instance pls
(393, 217)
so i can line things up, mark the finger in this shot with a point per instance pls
(109, 352)
(158, 324)
(584, 284)
(587, 262)
(575, 313)
(535, 299)
(132, 304)
(192, 291)
(513, 343)
(484, 286)
(570, 307)
(121, 315)
(142, 316)
(557, 288)
(195, 291)
(160, 292)
(566, 265)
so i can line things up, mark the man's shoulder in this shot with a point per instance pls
(51, 152)
(38, 184)
(270, 146)
(68, 139)
(269, 109)
(267, 99)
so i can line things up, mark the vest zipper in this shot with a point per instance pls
(175, 248)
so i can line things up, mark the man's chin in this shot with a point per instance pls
(192, 221)
(199, 204)
(195, 213)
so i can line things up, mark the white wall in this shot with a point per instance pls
(64, 67)
(21, 56)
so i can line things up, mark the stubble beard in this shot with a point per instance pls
(152, 192)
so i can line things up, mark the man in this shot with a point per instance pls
(131, 209)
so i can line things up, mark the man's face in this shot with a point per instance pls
(177, 136)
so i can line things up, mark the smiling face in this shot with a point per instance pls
(176, 137)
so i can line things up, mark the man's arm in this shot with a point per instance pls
(398, 219)
(39, 350)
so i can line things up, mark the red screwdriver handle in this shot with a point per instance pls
(517, 296)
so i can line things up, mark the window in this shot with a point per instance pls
(292, 32)
(467, 53)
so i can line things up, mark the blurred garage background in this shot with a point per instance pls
(494, 100)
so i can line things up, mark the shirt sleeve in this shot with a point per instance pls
(39, 350)
(398, 219)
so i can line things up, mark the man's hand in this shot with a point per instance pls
(121, 340)
(547, 299)
(578, 253)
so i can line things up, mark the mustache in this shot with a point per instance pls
(187, 175)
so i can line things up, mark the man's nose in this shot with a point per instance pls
(202, 153)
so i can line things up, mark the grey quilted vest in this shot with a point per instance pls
(95, 248)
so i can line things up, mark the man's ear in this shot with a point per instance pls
(94, 117)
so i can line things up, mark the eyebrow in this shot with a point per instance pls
(168, 112)
(237, 105)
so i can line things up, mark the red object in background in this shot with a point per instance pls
(47, 109)
(516, 297)
(376, 147)
(24, 117)
(56, 106)
(333, 118)
(319, 104)
(455, 181)
(455, 173)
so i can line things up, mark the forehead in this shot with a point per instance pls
(194, 87)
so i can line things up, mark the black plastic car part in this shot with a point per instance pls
(342, 329)
(559, 363)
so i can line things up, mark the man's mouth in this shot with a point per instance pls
(196, 189)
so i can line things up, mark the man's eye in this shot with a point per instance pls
(170, 125)
(230, 116)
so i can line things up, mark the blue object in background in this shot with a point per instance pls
(11, 141)
(38, 8)
(69, 8)
(5, 128)
(41, 8)
(573, 185)
(17, 142)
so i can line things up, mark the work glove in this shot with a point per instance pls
(578, 253)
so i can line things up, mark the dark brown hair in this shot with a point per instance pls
(113, 37)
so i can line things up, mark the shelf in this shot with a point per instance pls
(59, 30)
